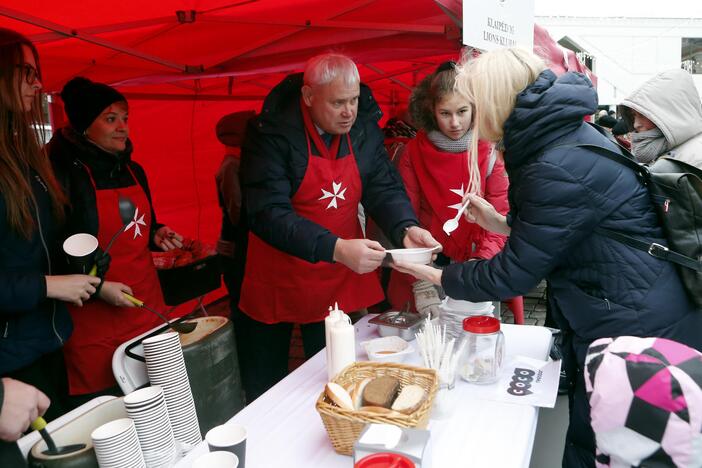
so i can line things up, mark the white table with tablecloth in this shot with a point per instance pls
(285, 430)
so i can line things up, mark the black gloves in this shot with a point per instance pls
(102, 262)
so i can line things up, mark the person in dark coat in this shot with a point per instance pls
(559, 194)
(34, 322)
(314, 153)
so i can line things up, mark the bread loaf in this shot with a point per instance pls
(410, 399)
(381, 391)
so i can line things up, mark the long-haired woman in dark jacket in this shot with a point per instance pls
(559, 193)
(34, 321)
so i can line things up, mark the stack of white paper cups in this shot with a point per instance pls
(166, 368)
(147, 408)
(117, 446)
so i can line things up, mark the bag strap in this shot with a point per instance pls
(652, 248)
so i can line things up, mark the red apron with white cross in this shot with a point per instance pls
(443, 179)
(282, 288)
(99, 328)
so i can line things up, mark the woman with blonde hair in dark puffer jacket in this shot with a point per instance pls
(560, 193)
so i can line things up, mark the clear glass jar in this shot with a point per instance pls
(482, 349)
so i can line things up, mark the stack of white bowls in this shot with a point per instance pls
(117, 446)
(166, 368)
(147, 408)
(453, 312)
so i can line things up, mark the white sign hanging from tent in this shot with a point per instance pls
(491, 24)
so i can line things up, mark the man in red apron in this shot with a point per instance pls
(312, 156)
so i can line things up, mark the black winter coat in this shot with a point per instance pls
(274, 161)
(558, 196)
(30, 324)
(72, 156)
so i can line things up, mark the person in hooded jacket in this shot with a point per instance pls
(34, 321)
(92, 161)
(665, 114)
(312, 155)
(559, 194)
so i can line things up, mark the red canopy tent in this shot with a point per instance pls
(183, 64)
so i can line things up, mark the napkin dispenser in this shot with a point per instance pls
(384, 438)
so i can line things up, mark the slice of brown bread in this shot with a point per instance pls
(381, 391)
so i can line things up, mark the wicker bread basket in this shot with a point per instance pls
(345, 426)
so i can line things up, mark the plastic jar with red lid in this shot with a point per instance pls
(481, 357)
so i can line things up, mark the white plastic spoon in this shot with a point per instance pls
(452, 224)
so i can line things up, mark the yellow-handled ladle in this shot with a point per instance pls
(39, 424)
(180, 327)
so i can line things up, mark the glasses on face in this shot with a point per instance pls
(30, 73)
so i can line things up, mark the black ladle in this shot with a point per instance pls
(39, 424)
(126, 214)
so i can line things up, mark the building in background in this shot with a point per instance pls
(624, 52)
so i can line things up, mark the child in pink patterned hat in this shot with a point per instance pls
(646, 402)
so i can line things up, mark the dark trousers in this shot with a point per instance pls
(264, 350)
(579, 449)
(48, 374)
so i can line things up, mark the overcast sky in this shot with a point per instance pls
(631, 8)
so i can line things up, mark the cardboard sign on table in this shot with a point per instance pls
(524, 381)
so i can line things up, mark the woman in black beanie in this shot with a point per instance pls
(92, 160)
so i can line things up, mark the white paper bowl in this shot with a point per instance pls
(387, 349)
(417, 255)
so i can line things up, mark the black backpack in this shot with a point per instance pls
(675, 188)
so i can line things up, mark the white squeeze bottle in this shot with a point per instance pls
(333, 317)
(341, 344)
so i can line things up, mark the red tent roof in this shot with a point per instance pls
(218, 48)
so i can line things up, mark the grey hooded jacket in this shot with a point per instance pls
(671, 101)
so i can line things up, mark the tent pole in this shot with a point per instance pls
(333, 24)
(381, 72)
(105, 28)
(73, 33)
(453, 15)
